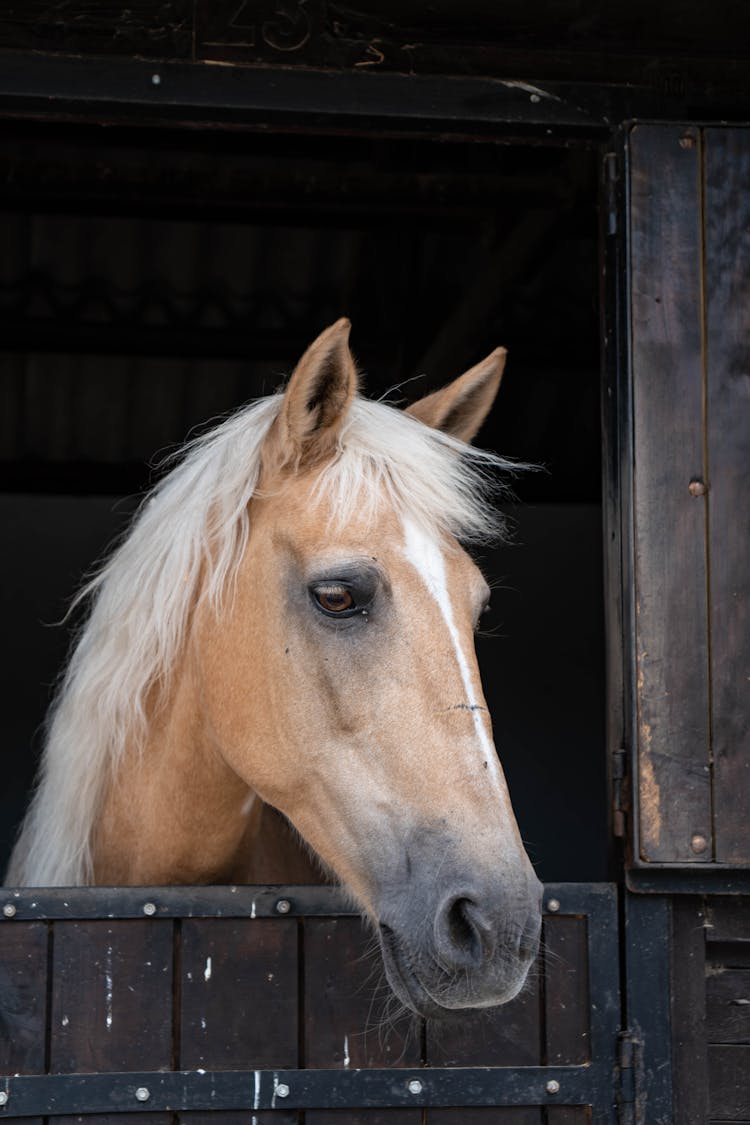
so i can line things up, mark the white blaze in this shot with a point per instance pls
(424, 554)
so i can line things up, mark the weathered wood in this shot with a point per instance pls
(23, 1000)
(688, 985)
(566, 991)
(239, 1000)
(110, 28)
(729, 1088)
(728, 1005)
(728, 918)
(111, 1003)
(727, 286)
(348, 1014)
(502, 1115)
(674, 798)
(568, 1115)
(505, 1036)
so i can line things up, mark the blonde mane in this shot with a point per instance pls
(186, 544)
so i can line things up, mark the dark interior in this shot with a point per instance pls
(152, 281)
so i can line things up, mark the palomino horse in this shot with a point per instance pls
(290, 624)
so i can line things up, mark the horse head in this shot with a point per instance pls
(340, 681)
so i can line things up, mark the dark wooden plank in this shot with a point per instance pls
(112, 1001)
(729, 1081)
(506, 1036)
(502, 1115)
(727, 239)
(239, 1004)
(140, 27)
(349, 1018)
(23, 997)
(568, 1115)
(566, 991)
(23, 1001)
(728, 919)
(674, 799)
(688, 985)
(728, 1005)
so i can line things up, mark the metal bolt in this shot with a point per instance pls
(9, 910)
(282, 1090)
(687, 141)
(553, 905)
(3, 1097)
(156, 80)
(697, 487)
(553, 1086)
(283, 906)
(149, 908)
(698, 844)
(142, 1094)
(414, 1086)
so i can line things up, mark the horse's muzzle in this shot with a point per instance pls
(471, 949)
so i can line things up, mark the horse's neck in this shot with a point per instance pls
(176, 813)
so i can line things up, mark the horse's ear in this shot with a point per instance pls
(316, 400)
(460, 408)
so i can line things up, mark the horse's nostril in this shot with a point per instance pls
(464, 934)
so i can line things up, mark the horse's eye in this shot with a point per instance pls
(334, 599)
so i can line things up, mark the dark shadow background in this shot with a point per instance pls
(151, 282)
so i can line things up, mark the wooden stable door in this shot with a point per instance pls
(689, 281)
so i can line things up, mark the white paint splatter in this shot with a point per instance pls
(108, 988)
(426, 557)
(203, 1022)
(347, 1060)
(256, 1098)
(252, 909)
(65, 1021)
(208, 970)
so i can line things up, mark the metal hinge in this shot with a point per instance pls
(629, 1105)
(619, 791)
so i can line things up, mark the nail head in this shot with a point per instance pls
(9, 911)
(553, 905)
(414, 1086)
(282, 1090)
(283, 906)
(3, 1097)
(687, 141)
(698, 844)
(697, 487)
(553, 1086)
(149, 908)
(142, 1094)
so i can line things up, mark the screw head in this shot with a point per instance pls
(687, 141)
(9, 911)
(553, 1086)
(142, 1094)
(282, 1090)
(697, 487)
(414, 1086)
(149, 908)
(3, 1097)
(553, 905)
(698, 844)
(283, 906)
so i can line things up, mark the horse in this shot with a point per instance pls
(278, 660)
